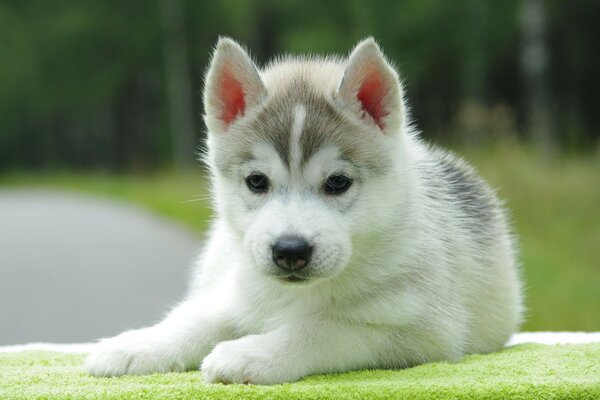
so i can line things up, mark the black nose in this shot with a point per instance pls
(291, 253)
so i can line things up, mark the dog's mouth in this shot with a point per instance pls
(293, 278)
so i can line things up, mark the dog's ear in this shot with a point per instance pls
(232, 86)
(371, 88)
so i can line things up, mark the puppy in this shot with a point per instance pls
(341, 240)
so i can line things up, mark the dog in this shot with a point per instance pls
(341, 241)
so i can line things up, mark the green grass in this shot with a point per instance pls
(555, 207)
(527, 371)
(181, 197)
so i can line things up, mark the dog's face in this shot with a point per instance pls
(302, 156)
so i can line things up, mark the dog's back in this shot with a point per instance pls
(471, 225)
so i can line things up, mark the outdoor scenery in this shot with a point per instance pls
(104, 97)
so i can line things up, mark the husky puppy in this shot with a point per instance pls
(341, 241)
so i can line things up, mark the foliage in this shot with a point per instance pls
(82, 84)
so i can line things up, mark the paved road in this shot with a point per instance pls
(74, 268)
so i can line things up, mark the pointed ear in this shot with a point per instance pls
(232, 86)
(371, 88)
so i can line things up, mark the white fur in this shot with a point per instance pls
(295, 151)
(387, 286)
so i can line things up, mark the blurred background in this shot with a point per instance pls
(100, 103)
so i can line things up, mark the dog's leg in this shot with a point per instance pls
(178, 343)
(307, 347)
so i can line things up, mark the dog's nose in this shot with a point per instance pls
(291, 253)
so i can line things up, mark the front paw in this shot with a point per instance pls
(249, 360)
(137, 352)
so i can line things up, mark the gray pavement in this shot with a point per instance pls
(74, 268)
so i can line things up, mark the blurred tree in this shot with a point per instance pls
(117, 85)
(534, 59)
(181, 117)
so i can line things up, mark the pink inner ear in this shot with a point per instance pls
(231, 94)
(371, 95)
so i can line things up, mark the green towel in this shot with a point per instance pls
(527, 371)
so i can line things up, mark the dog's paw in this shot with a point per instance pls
(249, 360)
(136, 352)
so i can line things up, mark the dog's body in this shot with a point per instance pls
(341, 241)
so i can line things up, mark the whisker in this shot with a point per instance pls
(197, 199)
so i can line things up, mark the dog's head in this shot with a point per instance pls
(304, 156)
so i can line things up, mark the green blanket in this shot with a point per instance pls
(527, 371)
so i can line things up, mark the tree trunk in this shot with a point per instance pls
(534, 61)
(181, 115)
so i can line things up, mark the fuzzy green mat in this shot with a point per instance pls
(528, 371)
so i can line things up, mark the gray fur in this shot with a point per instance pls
(326, 124)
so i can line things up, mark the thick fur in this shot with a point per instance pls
(414, 263)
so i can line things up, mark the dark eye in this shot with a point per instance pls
(337, 184)
(257, 182)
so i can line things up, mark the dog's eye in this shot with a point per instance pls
(337, 184)
(257, 182)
